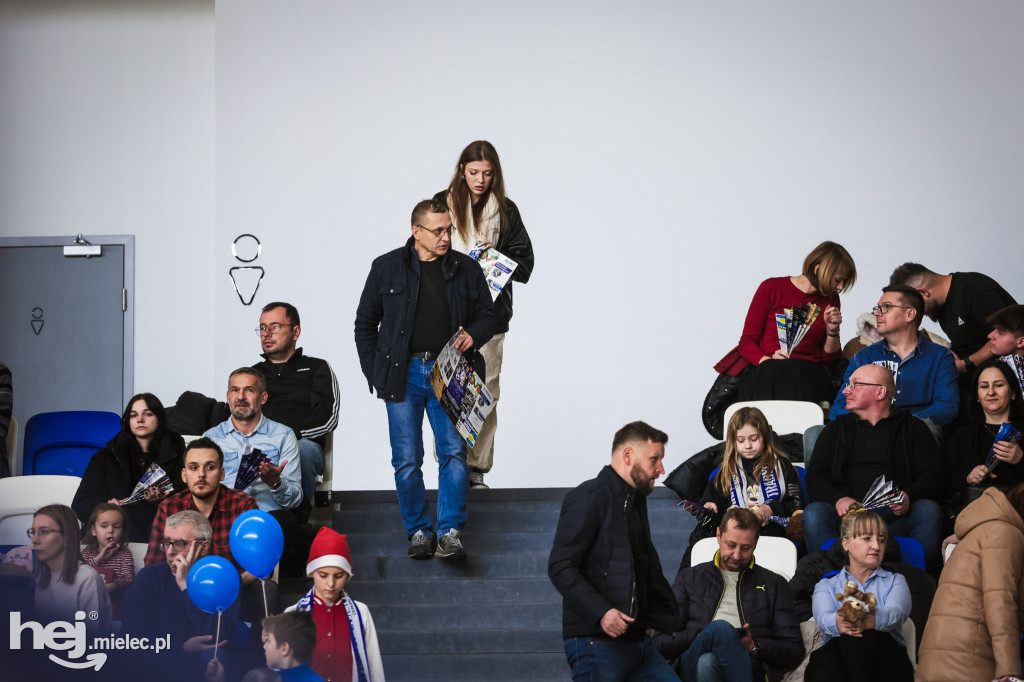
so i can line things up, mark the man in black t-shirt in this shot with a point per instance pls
(961, 302)
(416, 298)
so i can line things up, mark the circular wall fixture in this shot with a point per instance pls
(246, 248)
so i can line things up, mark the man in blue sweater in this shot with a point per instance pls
(924, 372)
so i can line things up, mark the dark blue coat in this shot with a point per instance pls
(387, 311)
(591, 561)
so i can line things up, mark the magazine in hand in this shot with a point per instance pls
(700, 512)
(461, 392)
(1017, 365)
(154, 476)
(497, 267)
(249, 467)
(881, 494)
(1006, 433)
(793, 324)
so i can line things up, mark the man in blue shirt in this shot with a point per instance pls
(924, 372)
(278, 488)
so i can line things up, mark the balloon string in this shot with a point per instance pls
(266, 609)
(216, 639)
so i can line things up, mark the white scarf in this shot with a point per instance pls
(487, 229)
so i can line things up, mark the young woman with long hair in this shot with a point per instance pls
(482, 213)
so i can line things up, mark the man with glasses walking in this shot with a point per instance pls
(415, 299)
(302, 391)
(873, 440)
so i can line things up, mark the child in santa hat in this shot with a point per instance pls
(346, 640)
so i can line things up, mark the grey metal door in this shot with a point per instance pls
(65, 326)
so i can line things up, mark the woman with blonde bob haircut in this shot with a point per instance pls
(800, 374)
(754, 475)
(482, 215)
(973, 630)
(874, 649)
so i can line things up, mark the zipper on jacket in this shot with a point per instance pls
(632, 566)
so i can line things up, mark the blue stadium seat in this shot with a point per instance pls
(910, 549)
(62, 443)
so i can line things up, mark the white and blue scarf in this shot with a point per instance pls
(355, 625)
(771, 485)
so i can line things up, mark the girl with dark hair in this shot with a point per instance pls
(996, 400)
(64, 584)
(801, 374)
(481, 213)
(114, 470)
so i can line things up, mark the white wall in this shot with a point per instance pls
(106, 127)
(666, 157)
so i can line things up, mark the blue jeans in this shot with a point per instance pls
(311, 462)
(923, 523)
(596, 659)
(717, 655)
(405, 426)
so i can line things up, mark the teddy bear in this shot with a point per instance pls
(854, 605)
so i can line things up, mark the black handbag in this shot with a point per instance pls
(722, 394)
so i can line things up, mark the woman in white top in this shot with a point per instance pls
(66, 585)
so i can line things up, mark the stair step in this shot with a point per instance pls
(477, 641)
(503, 667)
(465, 616)
(479, 566)
(391, 544)
(480, 592)
(483, 518)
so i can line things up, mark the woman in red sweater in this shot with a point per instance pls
(800, 374)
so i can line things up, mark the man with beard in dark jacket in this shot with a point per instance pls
(737, 619)
(605, 565)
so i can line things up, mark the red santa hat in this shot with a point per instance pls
(329, 548)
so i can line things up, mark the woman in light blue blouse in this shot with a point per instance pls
(873, 650)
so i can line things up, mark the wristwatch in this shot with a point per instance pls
(756, 651)
(968, 365)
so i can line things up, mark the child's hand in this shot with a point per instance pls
(712, 506)
(214, 671)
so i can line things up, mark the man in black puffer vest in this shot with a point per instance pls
(607, 569)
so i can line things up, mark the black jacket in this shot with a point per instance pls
(387, 310)
(765, 602)
(591, 561)
(302, 394)
(915, 465)
(115, 469)
(515, 243)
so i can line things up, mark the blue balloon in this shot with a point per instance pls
(213, 584)
(257, 542)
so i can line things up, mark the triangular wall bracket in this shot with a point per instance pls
(246, 278)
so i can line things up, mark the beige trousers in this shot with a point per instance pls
(481, 456)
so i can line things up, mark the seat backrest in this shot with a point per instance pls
(775, 554)
(784, 416)
(138, 550)
(912, 551)
(12, 446)
(21, 496)
(62, 443)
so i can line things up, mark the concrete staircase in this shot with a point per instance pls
(494, 617)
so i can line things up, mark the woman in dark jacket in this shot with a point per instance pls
(114, 470)
(996, 400)
(482, 214)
